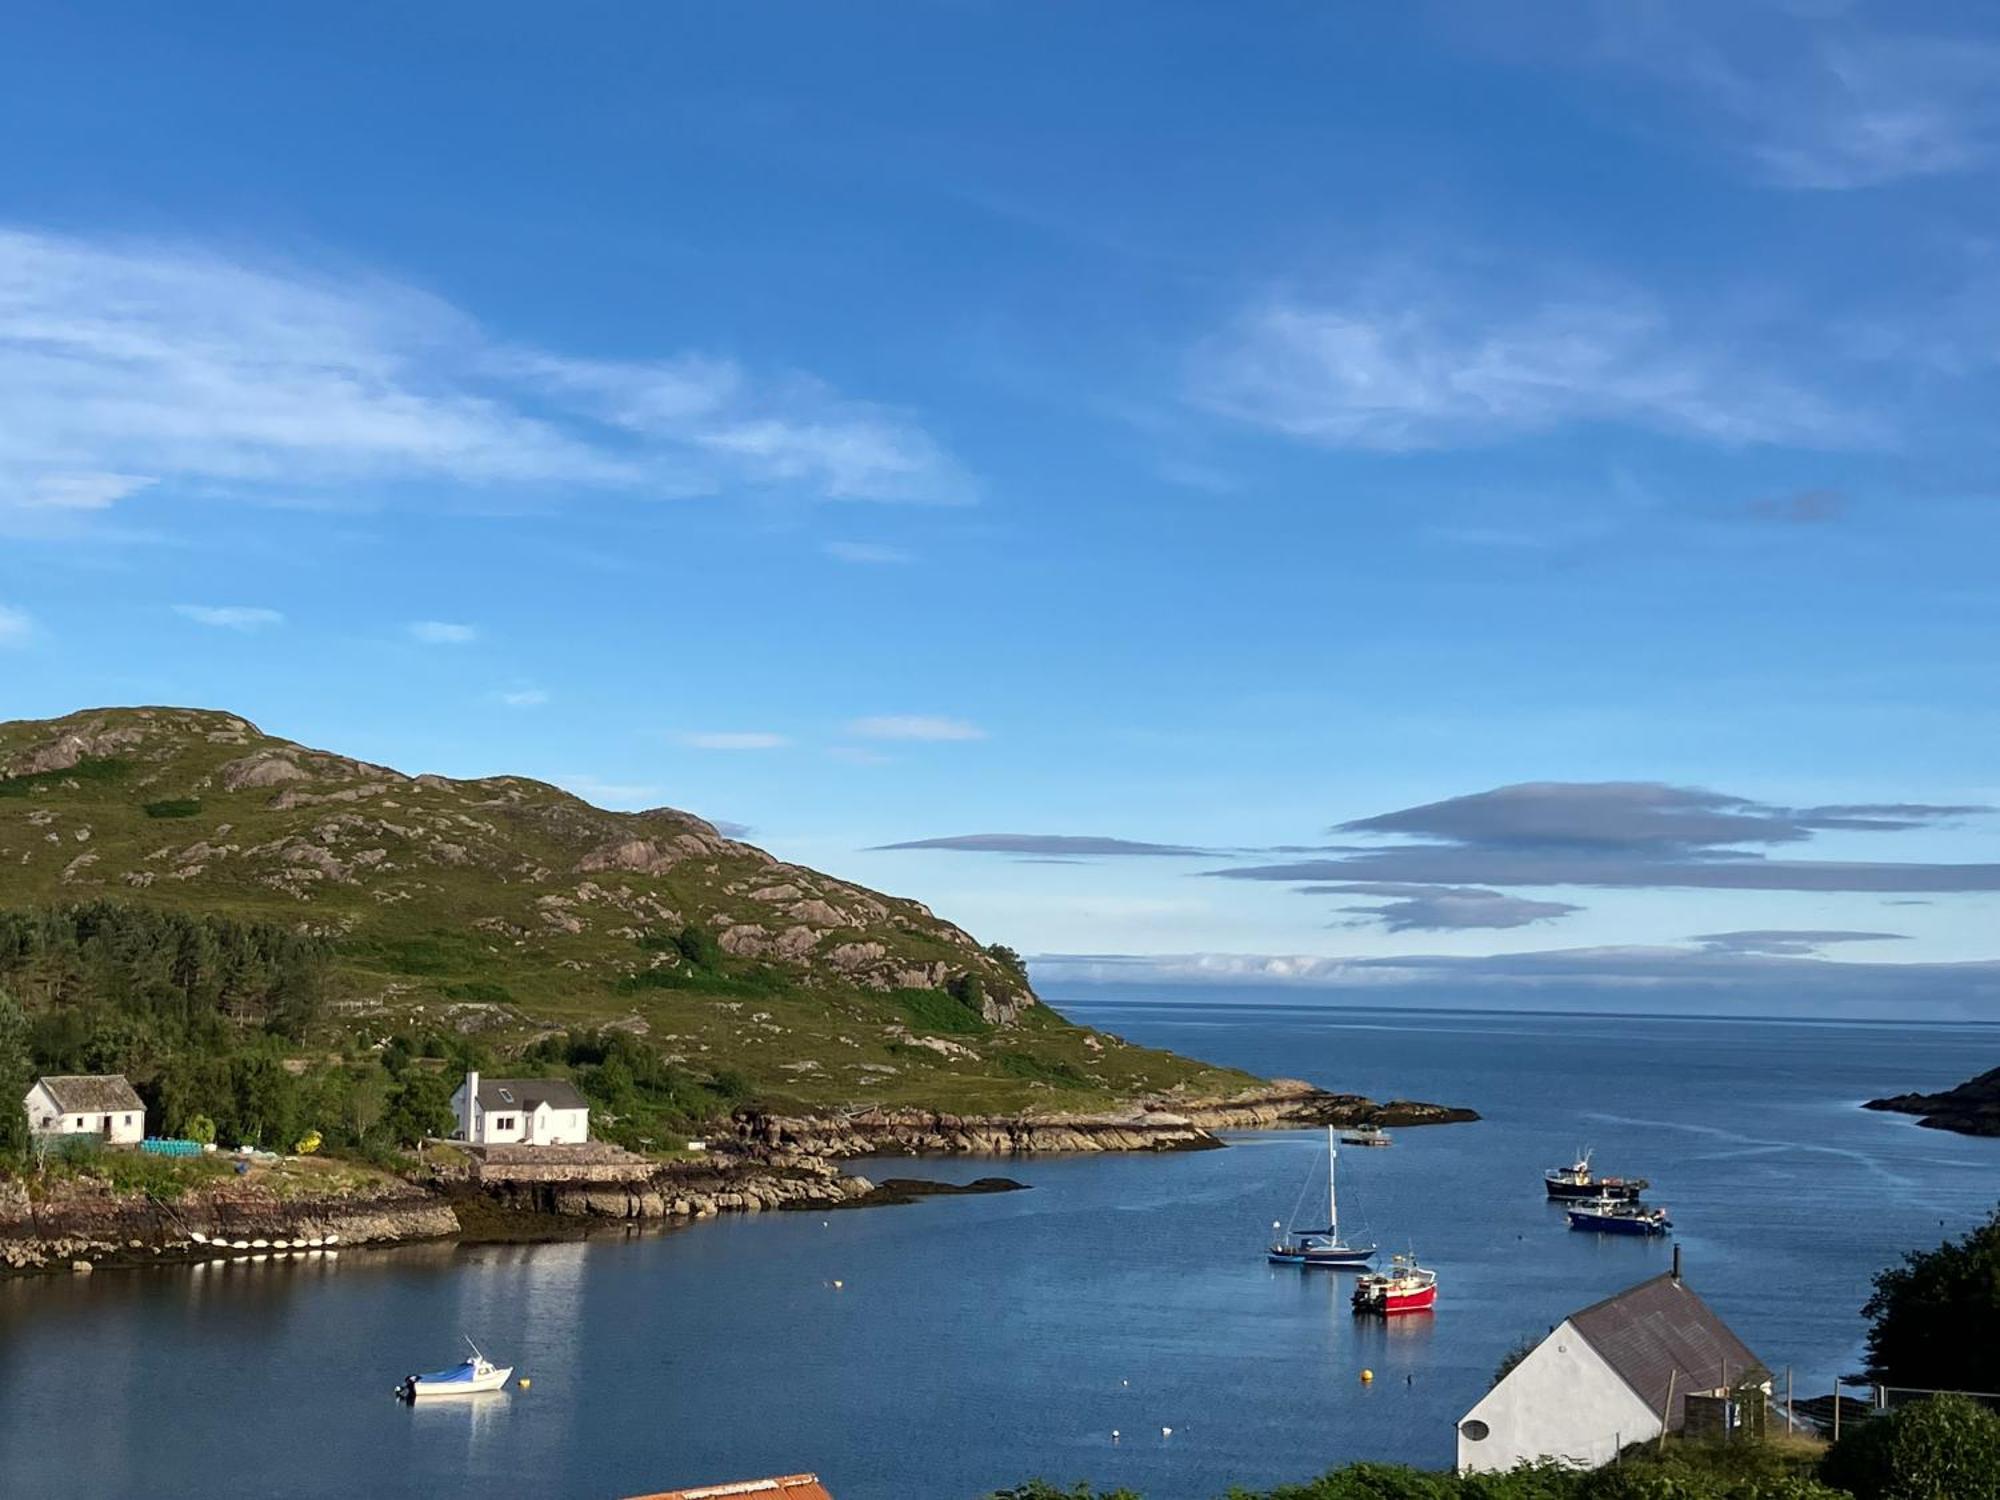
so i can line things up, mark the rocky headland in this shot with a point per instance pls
(1973, 1108)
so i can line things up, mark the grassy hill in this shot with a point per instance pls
(500, 918)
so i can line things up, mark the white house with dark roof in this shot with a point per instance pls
(87, 1104)
(520, 1112)
(1618, 1372)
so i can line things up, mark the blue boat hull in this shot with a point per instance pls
(1609, 1224)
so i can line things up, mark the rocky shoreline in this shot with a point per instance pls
(1154, 1125)
(774, 1163)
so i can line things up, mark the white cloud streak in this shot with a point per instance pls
(128, 364)
(732, 739)
(523, 697)
(1414, 364)
(15, 626)
(242, 617)
(867, 553)
(925, 727)
(442, 633)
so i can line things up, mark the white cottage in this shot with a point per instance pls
(1616, 1373)
(87, 1104)
(520, 1112)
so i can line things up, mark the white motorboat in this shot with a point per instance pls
(467, 1378)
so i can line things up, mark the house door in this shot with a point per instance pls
(107, 1125)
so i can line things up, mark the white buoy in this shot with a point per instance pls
(1166, 1432)
(260, 1244)
(838, 1285)
(197, 1236)
(1114, 1434)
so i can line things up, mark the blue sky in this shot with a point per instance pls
(1189, 425)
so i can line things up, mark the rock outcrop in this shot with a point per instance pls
(1973, 1108)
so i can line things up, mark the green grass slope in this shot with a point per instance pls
(507, 910)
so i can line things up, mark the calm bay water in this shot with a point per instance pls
(978, 1341)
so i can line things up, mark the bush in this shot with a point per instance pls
(1935, 1319)
(200, 1129)
(174, 807)
(1943, 1448)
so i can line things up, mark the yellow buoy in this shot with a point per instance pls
(1366, 1376)
(524, 1382)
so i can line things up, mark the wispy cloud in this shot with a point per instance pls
(1411, 363)
(442, 633)
(1789, 942)
(731, 739)
(1445, 908)
(243, 617)
(914, 727)
(1623, 834)
(1069, 845)
(867, 553)
(526, 697)
(15, 626)
(129, 363)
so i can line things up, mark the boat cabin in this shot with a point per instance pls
(102, 1104)
(520, 1112)
(1605, 1378)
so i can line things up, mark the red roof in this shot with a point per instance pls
(789, 1487)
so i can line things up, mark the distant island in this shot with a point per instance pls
(1973, 1108)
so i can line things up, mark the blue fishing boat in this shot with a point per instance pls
(1618, 1216)
(1320, 1246)
(465, 1379)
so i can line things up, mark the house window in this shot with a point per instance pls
(1475, 1430)
(503, 1122)
(128, 1119)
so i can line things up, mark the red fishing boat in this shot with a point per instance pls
(1404, 1287)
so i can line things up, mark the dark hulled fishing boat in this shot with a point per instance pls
(1577, 1181)
(1617, 1216)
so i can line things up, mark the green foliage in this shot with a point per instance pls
(1041, 1489)
(85, 772)
(486, 991)
(1942, 1448)
(1043, 1070)
(16, 1074)
(200, 1129)
(639, 1099)
(110, 986)
(1935, 1319)
(698, 946)
(420, 1106)
(174, 807)
(1009, 960)
(937, 1010)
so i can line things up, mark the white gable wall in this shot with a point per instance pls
(1564, 1402)
(124, 1127)
(559, 1127)
(544, 1125)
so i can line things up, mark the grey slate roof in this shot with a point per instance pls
(525, 1094)
(1659, 1327)
(92, 1093)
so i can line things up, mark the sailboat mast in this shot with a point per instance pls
(1332, 1197)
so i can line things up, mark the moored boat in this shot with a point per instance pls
(1366, 1135)
(1404, 1288)
(466, 1378)
(1618, 1216)
(1577, 1181)
(1321, 1247)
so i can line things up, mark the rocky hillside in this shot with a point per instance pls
(509, 909)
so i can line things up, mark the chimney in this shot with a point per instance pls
(472, 1110)
(1677, 1254)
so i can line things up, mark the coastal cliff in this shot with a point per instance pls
(1973, 1108)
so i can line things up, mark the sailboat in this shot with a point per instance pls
(1321, 1247)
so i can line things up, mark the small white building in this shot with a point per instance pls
(520, 1112)
(87, 1104)
(1613, 1374)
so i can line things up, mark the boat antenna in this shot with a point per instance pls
(472, 1346)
